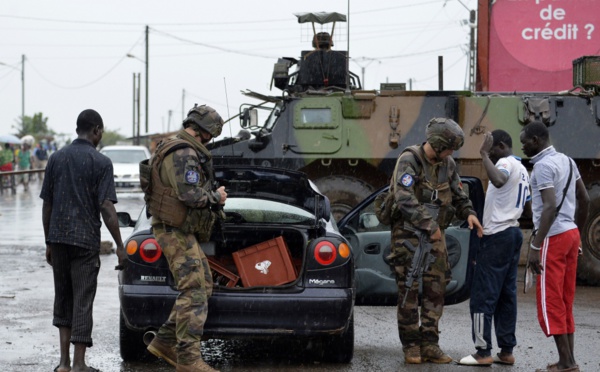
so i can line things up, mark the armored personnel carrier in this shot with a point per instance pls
(347, 139)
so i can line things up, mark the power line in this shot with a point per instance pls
(398, 7)
(416, 53)
(88, 22)
(213, 46)
(92, 81)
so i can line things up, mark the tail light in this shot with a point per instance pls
(150, 251)
(325, 253)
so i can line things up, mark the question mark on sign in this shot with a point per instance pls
(590, 28)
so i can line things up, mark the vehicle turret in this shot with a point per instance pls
(321, 67)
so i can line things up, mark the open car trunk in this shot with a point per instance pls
(244, 257)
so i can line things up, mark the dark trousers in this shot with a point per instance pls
(75, 280)
(494, 291)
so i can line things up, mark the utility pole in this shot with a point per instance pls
(440, 72)
(169, 121)
(182, 104)
(362, 68)
(472, 57)
(133, 106)
(22, 88)
(136, 108)
(147, 61)
(472, 20)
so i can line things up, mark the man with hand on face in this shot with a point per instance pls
(494, 286)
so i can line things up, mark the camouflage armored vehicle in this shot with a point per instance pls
(347, 139)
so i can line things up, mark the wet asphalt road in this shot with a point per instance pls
(29, 342)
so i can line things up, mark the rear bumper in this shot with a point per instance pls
(304, 312)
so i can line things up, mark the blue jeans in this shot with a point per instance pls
(494, 291)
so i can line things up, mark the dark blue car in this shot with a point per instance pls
(316, 304)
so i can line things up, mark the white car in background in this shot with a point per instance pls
(126, 164)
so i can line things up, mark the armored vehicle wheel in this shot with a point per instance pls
(588, 270)
(343, 192)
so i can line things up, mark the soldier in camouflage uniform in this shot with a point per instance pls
(426, 177)
(181, 221)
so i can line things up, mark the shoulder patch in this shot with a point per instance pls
(407, 180)
(192, 177)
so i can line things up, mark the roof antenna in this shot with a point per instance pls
(227, 101)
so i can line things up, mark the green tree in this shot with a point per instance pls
(110, 137)
(36, 125)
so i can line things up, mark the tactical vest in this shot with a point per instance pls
(162, 201)
(432, 190)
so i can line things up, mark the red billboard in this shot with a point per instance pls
(532, 43)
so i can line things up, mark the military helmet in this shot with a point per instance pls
(443, 134)
(322, 40)
(206, 118)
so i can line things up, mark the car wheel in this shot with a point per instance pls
(131, 342)
(339, 348)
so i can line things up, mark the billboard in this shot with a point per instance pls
(532, 43)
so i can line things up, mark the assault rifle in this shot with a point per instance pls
(421, 260)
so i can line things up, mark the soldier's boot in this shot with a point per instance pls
(433, 354)
(198, 366)
(162, 350)
(412, 355)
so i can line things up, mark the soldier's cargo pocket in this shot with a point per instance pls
(206, 226)
(208, 280)
(188, 273)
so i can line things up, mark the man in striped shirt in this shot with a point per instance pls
(78, 189)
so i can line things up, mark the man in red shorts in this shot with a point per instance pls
(560, 206)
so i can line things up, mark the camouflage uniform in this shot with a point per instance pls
(188, 171)
(417, 183)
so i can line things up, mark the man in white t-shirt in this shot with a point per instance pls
(494, 286)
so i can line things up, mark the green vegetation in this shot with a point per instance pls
(111, 137)
(37, 126)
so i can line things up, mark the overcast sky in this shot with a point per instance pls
(75, 53)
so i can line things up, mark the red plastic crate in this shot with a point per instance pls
(265, 264)
(221, 275)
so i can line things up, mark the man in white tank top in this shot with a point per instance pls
(494, 286)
